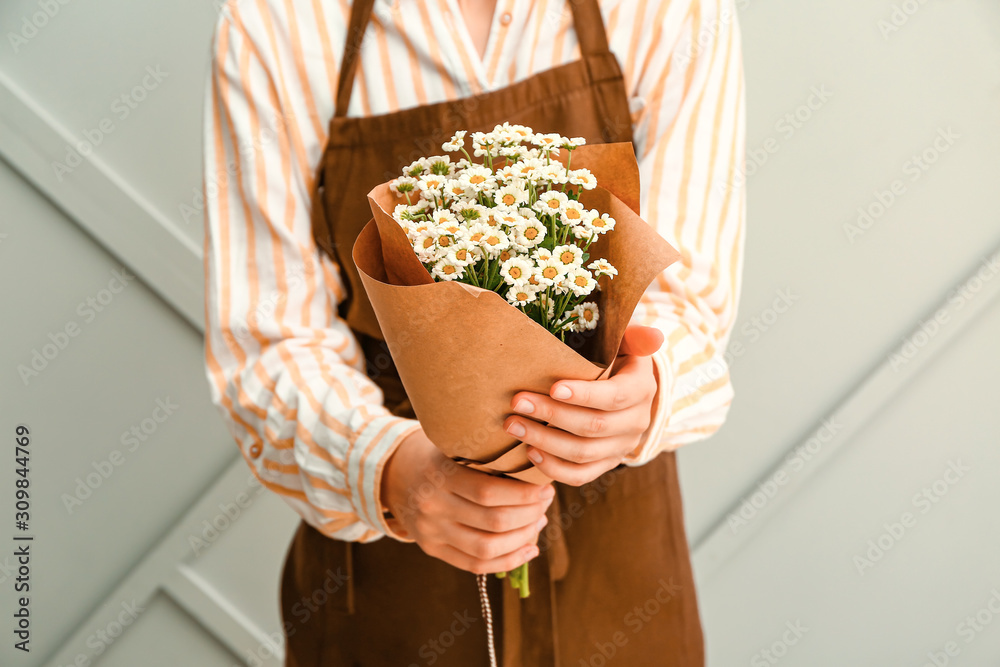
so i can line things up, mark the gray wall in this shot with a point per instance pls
(844, 514)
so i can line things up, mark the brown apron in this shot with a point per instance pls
(613, 580)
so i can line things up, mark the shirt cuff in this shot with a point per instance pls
(650, 443)
(372, 447)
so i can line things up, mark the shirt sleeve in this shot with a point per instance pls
(285, 371)
(690, 142)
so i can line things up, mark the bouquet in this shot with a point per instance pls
(505, 270)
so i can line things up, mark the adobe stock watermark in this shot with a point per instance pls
(121, 108)
(248, 147)
(786, 127)
(967, 630)
(301, 612)
(923, 502)
(32, 24)
(928, 329)
(131, 440)
(795, 462)
(58, 341)
(635, 620)
(899, 16)
(915, 167)
(101, 639)
(751, 332)
(779, 648)
(229, 512)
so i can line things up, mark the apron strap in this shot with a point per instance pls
(361, 11)
(589, 26)
(587, 21)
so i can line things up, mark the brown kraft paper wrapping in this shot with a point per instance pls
(463, 352)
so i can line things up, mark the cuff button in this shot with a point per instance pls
(255, 450)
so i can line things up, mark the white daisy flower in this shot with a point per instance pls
(586, 316)
(416, 169)
(456, 143)
(602, 267)
(549, 270)
(425, 241)
(572, 213)
(582, 233)
(574, 142)
(516, 271)
(541, 255)
(522, 295)
(456, 189)
(431, 185)
(583, 178)
(553, 173)
(440, 165)
(548, 142)
(603, 224)
(551, 202)
(578, 280)
(511, 196)
(529, 233)
(461, 254)
(404, 184)
(478, 179)
(494, 241)
(447, 270)
(468, 211)
(570, 256)
(526, 168)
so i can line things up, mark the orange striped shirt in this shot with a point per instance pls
(286, 373)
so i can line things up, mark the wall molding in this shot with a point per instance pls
(101, 202)
(848, 417)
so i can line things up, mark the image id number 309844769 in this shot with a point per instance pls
(22, 540)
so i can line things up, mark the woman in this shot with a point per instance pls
(313, 102)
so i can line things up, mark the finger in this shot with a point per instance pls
(495, 519)
(486, 546)
(464, 561)
(585, 422)
(633, 384)
(494, 491)
(568, 472)
(560, 443)
(641, 341)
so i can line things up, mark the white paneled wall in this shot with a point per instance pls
(844, 514)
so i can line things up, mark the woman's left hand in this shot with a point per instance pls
(591, 426)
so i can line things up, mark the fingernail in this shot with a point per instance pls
(562, 392)
(524, 406)
(533, 454)
(531, 553)
(541, 523)
(516, 429)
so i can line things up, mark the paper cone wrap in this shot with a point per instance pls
(463, 352)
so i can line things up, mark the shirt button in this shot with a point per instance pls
(255, 450)
(506, 18)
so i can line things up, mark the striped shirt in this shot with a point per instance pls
(285, 371)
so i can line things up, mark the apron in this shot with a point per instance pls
(613, 579)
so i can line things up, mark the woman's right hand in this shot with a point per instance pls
(477, 522)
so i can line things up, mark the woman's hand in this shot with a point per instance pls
(477, 522)
(591, 426)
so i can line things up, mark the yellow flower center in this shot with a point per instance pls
(509, 199)
(533, 280)
(600, 222)
(428, 242)
(475, 237)
(515, 272)
(477, 179)
(588, 315)
(493, 239)
(461, 254)
(504, 255)
(567, 257)
(553, 203)
(550, 272)
(530, 233)
(573, 214)
(444, 241)
(581, 281)
(522, 296)
(449, 269)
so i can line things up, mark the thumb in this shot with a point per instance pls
(641, 341)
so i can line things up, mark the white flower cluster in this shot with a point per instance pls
(512, 223)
